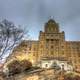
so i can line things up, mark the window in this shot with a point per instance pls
(47, 40)
(34, 49)
(34, 55)
(47, 46)
(52, 40)
(79, 60)
(29, 47)
(51, 35)
(46, 65)
(41, 46)
(52, 53)
(79, 54)
(62, 46)
(62, 52)
(52, 46)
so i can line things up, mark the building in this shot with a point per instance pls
(55, 63)
(51, 44)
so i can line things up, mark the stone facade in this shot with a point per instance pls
(51, 44)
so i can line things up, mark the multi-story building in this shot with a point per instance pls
(51, 44)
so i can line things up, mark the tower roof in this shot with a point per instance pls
(51, 26)
(51, 21)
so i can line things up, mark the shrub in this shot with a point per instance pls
(71, 77)
(14, 67)
(25, 64)
(17, 66)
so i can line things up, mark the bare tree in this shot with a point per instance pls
(10, 36)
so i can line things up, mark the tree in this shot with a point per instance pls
(10, 36)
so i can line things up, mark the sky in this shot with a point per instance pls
(33, 14)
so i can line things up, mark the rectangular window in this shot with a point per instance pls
(47, 40)
(52, 46)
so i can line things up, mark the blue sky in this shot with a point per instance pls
(34, 13)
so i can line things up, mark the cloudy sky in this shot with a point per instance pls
(34, 13)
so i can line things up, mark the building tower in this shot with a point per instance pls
(51, 41)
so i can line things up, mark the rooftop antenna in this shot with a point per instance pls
(51, 17)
